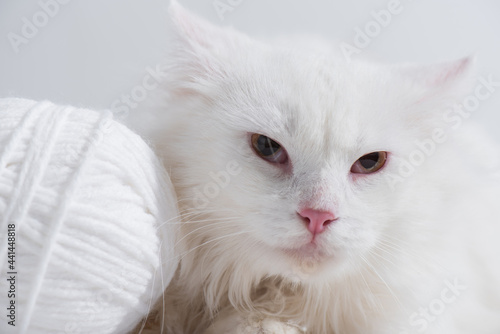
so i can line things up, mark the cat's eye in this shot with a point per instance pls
(268, 149)
(369, 163)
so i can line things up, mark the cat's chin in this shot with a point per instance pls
(308, 260)
(310, 251)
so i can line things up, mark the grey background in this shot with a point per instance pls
(92, 51)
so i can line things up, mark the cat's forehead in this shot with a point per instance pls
(316, 102)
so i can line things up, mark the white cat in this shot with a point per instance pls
(325, 197)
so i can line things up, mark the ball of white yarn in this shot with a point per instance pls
(94, 215)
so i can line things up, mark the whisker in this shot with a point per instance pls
(205, 243)
(183, 220)
(216, 224)
(143, 322)
(382, 279)
(380, 306)
(428, 260)
(163, 298)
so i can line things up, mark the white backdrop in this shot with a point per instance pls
(90, 52)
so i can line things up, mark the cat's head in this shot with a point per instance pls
(284, 156)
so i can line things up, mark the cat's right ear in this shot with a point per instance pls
(200, 51)
(190, 30)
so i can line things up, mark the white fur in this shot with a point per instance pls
(393, 248)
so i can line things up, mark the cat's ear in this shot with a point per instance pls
(433, 91)
(193, 31)
(200, 50)
(446, 80)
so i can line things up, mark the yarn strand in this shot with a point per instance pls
(57, 223)
(31, 175)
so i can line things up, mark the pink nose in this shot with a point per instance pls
(316, 220)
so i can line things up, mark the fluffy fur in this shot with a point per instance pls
(247, 264)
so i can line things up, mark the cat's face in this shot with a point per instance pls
(271, 145)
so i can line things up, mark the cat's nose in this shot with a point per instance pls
(316, 220)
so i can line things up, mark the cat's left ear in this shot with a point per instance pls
(451, 80)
